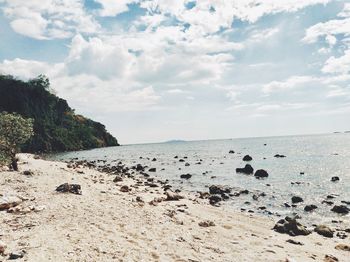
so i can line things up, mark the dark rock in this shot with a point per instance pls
(291, 226)
(171, 196)
(206, 223)
(279, 156)
(244, 191)
(294, 242)
(27, 173)
(16, 255)
(186, 176)
(286, 205)
(118, 179)
(153, 169)
(324, 231)
(124, 189)
(214, 199)
(181, 160)
(297, 199)
(335, 178)
(154, 159)
(247, 158)
(342, 247)
(248, 169)
(341, 209)
(231, 152)
(187, 164)
(345, 202)
(219, 190)
(261, 173)
(327, 202)
(69, 188)
(330, 258)
(309, 208)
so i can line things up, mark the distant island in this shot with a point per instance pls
(175, 141)
(56, 127)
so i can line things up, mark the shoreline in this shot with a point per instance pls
(106, 224)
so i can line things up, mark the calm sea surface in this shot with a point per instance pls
(319, 157)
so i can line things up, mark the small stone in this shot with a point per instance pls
(16, 254)
(342, 247)
(231, 152)
(335, 178)
(124, 189)
(206, 223)
(330, 258)
(117, 179)
(2, 248)
(171, 196)
(153, 169)
(294, 242)
(186, 176)
(324, 231)
(27, 173)
(69, 188)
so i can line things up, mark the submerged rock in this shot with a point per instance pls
(297, 199)
(186, 176)
(231, 152)
(248, 169)
(247, 158)
(335, 178)
(309, 208)
(291, 227)
(261, 173)
(279, 156)
(341, 209)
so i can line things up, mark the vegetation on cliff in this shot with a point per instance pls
(56, 127)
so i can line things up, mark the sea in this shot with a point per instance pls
(306, 171)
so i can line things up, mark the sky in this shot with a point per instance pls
(157, 70)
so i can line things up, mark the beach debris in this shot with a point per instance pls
(247, 158)
(206, 223)
(342, 247)
(279, 156)
(186, 176)
(294, 242)
(69, 188)
(153, 169)
(7, 202)
(231, 152)
(16, 255)
(124, 189)
(171, 196)
(297, 199)
(323, 230)
(248, 169)
(2, 248)
(341, 209)
(291, 227)
(309, 208)
(261, 173)
(335, 179)
(330, 258)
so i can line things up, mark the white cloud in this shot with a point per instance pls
(339, 65)
(48, 19)
(114, 7)
(290, 83)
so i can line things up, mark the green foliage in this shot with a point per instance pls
(56, 127)
(14, 132)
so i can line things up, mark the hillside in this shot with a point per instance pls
(57, 128)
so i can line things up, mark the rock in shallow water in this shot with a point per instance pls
(310, 208)
(248, 169)
(261, 173)
(297, 199)
(341, 209)
(247, 158)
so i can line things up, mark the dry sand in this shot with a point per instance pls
(105, 224)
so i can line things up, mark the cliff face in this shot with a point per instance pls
(57, 128)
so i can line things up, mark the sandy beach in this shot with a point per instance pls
(106, 224)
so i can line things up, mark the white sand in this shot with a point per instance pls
(105, 224)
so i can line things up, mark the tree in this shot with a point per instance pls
(14, 131)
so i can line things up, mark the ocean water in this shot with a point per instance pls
(311, 160)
